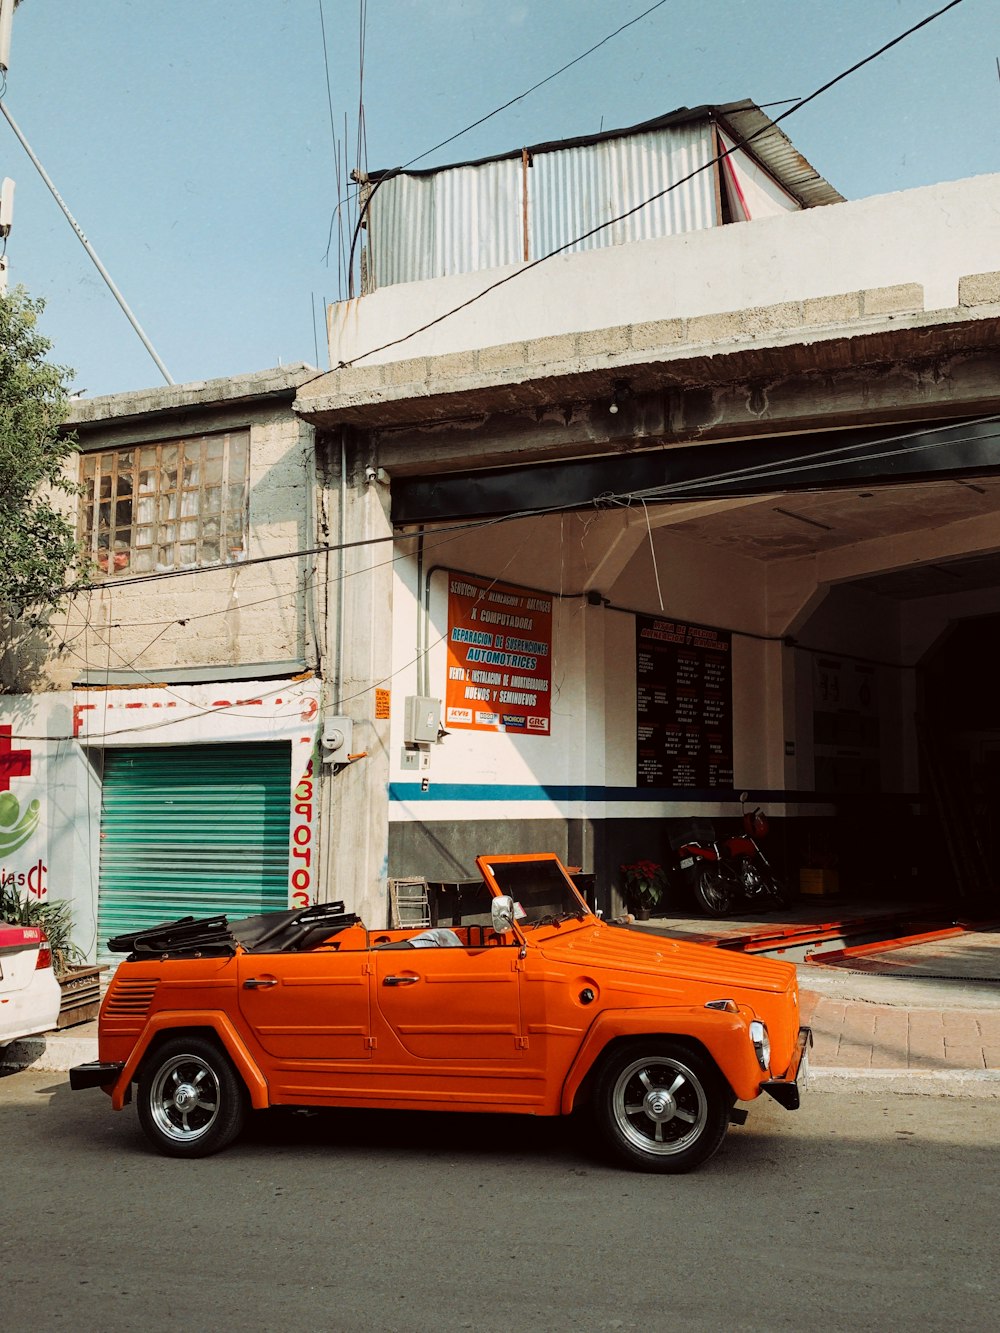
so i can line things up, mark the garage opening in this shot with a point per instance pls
(192, 830)
(960, 756)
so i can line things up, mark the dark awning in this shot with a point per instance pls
(819, 461)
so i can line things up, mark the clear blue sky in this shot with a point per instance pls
(192, 139)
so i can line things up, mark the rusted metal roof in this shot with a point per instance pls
(652, 179)
(745, 118)
(776, 153)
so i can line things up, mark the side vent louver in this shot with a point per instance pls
(131, 999)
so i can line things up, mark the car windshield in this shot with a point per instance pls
(540, 888)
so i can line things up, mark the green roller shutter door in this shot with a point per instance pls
(192, 830)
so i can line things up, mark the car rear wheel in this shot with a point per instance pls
(191, 1100)
(660, 1106)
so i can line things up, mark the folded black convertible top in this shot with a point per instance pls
(270, 932)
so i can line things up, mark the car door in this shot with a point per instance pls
(449, 1030)
(451, 1004)
(308, 1016)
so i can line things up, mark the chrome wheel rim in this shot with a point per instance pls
(659, 1106)
(185, 1098)
(716, 890)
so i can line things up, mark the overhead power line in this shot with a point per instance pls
(751, 475)
(534, 87)
(86, 244)
(512, 101)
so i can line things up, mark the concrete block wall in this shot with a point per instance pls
(237, 614)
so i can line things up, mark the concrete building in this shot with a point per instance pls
(733, 487)
(564, 552)
(160, 750)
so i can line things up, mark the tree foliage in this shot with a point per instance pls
(37, 541)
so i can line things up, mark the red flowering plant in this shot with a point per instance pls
(644, 885)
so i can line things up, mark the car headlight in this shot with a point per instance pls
(761, 1043)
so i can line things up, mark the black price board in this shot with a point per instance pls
(684, 704)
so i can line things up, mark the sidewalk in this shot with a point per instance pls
(885, 1047)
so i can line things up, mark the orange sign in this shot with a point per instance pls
(499, 657)
(382, 700)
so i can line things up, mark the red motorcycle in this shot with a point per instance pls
(757, 880)
(732, 873)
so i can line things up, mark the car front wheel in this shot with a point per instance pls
(191, 1101)
(660, 1106)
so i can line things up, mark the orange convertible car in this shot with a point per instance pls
(527, 1003)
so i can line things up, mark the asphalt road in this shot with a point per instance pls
(857, 1212)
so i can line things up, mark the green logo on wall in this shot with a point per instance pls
(16, 828)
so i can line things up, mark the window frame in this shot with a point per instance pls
(164, 505)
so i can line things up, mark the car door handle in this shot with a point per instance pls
(399, 981)
(256, 983)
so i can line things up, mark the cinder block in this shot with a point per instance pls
(770, 318)
(545, 351)
(714, 328)
(504, 356)
(603, 342)
(411, 371)
(451, 366)
(831, 309)
(979, 289)
(357, 379)
(904, 296)
(656, 333)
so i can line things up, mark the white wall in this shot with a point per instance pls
(930, 236)
(593, 737)
(66, 732)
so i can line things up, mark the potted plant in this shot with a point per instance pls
(643, 886)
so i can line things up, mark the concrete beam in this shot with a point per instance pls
(262, 384)
(771, 401)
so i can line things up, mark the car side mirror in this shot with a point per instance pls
(502, 912)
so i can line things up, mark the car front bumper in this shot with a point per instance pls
(785, 1090)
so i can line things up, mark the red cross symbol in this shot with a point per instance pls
(13, 763)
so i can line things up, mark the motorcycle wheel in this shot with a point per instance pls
(756, 884)
(715, 888)
(777, 891)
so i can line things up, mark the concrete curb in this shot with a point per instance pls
(43, 1053)
(921, 1082)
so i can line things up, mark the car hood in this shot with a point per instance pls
(637, 951)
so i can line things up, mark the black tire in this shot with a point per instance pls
(778, 892)
(191, 1101)
(715, 888)
(661, 1106)
(757, 885)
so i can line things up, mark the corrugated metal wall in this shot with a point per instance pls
(192, 829)
(463, 219)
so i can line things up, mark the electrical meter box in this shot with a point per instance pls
(422, 720)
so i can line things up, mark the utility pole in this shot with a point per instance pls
(6, 221)
(7, 8)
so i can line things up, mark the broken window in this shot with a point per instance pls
(176, 504)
